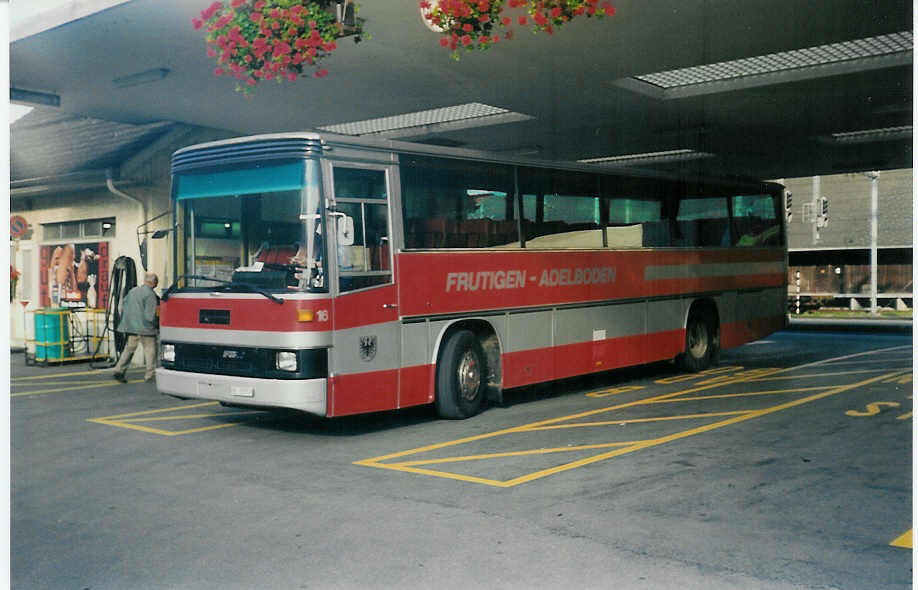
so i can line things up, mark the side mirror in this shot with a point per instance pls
(143, 253)
(345, 225)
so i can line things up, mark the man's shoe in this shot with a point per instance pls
(119, 377)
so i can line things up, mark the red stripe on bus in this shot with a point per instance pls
(246, 314)
(416, 386)
(533, 366)
(462, 282)
(359, 393)
(377, 391)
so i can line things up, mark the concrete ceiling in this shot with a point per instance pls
(566, 82)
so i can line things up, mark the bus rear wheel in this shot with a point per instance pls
(700, 344)
(460, 376)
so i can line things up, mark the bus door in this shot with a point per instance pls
(365, 354)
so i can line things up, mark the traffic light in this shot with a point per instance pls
(822, 218)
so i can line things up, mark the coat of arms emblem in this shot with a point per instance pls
(367, 348)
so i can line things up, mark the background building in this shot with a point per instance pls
(832, 253)
(83, 193)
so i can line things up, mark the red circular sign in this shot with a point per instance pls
(18, 226)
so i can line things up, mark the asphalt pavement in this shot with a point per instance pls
(787, 466)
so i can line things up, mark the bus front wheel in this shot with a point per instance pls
(460, 376)
(700, 344)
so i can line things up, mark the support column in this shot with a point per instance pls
(874, 206)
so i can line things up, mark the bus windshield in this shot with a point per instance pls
(270, 239)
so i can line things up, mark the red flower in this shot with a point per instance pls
(259, 4)
(608, 9)
(466, 40)
(219, 71)
(467, 28)
(321, 73)
(197, 23)
(444, 41)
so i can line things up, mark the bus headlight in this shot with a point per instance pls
(168, 353)
(286, 361)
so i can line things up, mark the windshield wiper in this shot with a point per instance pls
(253, 289)
(174, 286)
(226, 284)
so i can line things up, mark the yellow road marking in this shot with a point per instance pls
(692, 376)
(872, 409)
(614, 391)
(904, 540)
(433, 447)
(59, 383)
(95, 385)
(92, 372)
(687, 433)
(515, 453)
(635, 421)
(729, 395)
(120, 420)
(905, 416)
(193, 416)
(901, 379)
(835, 374)
(379, 462)
(159, 411)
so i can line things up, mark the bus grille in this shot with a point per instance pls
(241, 361)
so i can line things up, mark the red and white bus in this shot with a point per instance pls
(339, 275)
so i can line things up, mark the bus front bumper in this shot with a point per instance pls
(307, 395)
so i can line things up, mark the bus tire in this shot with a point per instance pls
(461, 376)
(700, 344)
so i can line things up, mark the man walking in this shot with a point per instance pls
(138, 322)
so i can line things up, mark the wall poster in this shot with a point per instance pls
(74, 275)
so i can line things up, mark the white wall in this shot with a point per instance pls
(78, 206)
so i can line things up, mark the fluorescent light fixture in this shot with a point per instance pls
(32, 97)
(663, 157)
(869, 135)
(834, 59)
(144, 77)
(465, 116)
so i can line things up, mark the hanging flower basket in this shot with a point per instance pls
(256, 41)
(479, 24)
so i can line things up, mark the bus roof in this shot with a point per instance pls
(405, 147)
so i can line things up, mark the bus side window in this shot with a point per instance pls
(457, 204)
(704, 222)
(755, 221)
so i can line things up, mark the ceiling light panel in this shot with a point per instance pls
(847, 57)
(786, 60)
(871, 135)
(663, 157)
(463, 116)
